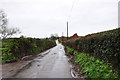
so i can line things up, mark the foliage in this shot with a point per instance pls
(54, 36)
(60, 41)
(16, 48)
(104, 46)
(92, 67)
(7, 56)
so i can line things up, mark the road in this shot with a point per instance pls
(50, 64)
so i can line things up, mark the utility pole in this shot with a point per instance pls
(62, 34)
(67, 30)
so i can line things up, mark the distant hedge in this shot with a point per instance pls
(16, 48)
(103, 45)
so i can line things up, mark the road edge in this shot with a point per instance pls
(22, 68)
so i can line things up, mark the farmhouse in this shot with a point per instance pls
(69, 38)
(73, 37)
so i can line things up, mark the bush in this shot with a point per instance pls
(92, 67)
(104, 46)
(16, 48)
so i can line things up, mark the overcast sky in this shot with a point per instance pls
(41, 18)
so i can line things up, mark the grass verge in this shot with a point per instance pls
(93, 68)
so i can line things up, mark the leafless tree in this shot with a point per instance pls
(4, 30)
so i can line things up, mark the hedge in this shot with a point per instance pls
(93, 68)
(16, 48)
(103, 45)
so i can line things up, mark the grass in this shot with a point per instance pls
(93, 68)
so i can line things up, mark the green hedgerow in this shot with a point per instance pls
(93, 68)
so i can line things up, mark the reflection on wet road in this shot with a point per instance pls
(53, 64)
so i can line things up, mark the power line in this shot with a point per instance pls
(70, 16)
(71, 10)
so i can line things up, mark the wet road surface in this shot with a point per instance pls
(50, 64)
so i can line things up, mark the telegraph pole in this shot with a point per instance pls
(62, 34)
(67, 30)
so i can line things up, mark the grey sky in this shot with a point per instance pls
(41, 18)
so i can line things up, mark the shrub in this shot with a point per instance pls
(93, 68)
(16, 48)
(104, 46)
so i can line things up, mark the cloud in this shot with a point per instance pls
(41, 18)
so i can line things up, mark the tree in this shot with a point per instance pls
(54, 36)
(4, 30)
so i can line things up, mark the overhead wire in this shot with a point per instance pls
(71, 10)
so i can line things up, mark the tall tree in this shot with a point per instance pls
(4, 30)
